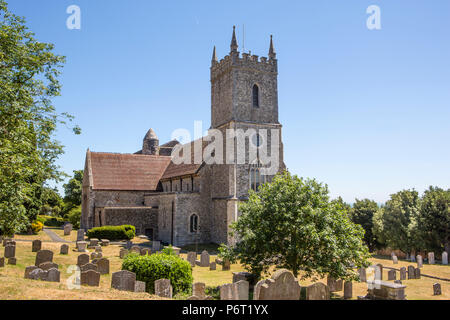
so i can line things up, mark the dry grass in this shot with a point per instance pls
(40, 236)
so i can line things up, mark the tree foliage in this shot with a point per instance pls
(292, 224)
(28, 81)
(73, 190)
(362, 213)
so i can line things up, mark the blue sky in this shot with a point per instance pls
(365, 111)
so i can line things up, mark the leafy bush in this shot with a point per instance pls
(37, 226)
(74, 217)
(50, 221)
(124, 232)
(150, 268)
(169, 251)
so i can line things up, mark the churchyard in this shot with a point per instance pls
(13, 284)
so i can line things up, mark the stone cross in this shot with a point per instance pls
(282, 286)
(36, 245)
(318, 291)
(123, 280)
(444, 257)
(431, 258)
(43, 256)
(163, 288)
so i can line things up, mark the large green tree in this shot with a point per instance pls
(362, 213)
(291, 223)
(73, 190)
(28, 81)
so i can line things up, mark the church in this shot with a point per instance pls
(196, 201)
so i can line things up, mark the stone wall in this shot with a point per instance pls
(143, 218)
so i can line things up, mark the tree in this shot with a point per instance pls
(73, 190)
(362, 213)
(433, 222)
(398, 217)
(290, 223)
(28, 81)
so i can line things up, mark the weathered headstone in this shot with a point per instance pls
(48, 265)
(129, 244)
(10, 251)
(12, 261)
(139, 286)
(204, 259)
(123, 280)
(93, 243)
(98, 249)
(241, 290)
(282, 286)
(395, 259)
(198, 290)
(90, 278)
(64, 249)
(384, 290)
(226, 265)
(53, 275)
(82, 259)
(413, 257)
(380, 266)
(163, 288)
(81, 246)
(36, 245)
(191, 257)
(392, 275)
(444, 257)
(38, 274)
(437, 289)
(417, 273)
(80, 235)
(88, 266)
(226, 291)
(43, 256)
(318, 291)
(362, 274)
(156, 245)
(28, 270)
(67, 229)
(212, 266)
(348, 290)
(431, 258)
(123, 252)
(419, 261)
(135, 249)
(104, 242)
(103, 266)
(96, 255)
(402, 273)
(333, 284)
(2, 262)
(411, 272)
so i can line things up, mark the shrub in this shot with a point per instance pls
(169, 251)
(37, 226)
(112, 232)
(50, 221)
(74, 217)
(150, 268)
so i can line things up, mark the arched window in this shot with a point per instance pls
(193, 223)
(256, 178)
(255, 96)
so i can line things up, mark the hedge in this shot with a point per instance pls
(149, 268)
(125, 232)
(50, 221)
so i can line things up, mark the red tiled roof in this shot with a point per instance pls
(115, 171)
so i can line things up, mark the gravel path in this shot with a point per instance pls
(54, 236)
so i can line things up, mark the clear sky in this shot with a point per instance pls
(365, 111)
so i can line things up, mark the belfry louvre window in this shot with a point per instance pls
(255, 96)
(193, 224)
(256, 178)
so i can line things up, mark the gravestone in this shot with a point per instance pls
(362, 274)
(318, 291)
(226, 291)
(191, 257)
(36, 245)
(156, 245)
(282, 286)
(437, 289)
(88, 266)
(43, 256)
(413, 257)
(212, 266)
(90, 278)
(98, 249)
(417, 273)
(204, 259)
(348, 290)
(64, 249)
(96, 255)
(395, 259)
(139, 286)
(226, 265)
(135, 249)
(38, 274)
(419, 261)
(241, 290)
(381, 271)
(28, 270)
(411, 272)
(81, 246)
(93, 243)
(129, 244)
(53, 275)
(198, 290)
(82, 259)
(123, 280)
(12, 261)
(80, 235)
(333, 284)
(392, 275)
(402, 273)
(123, 252)
(444, 257)
(431, 258)
(2, 262)
(48, 265)
(163, 288)
(67, 229)
(103, 266)
(104, 242)
(383, 290)
(10, 251)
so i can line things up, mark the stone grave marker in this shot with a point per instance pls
(444, 257)
(334, 285)
(2, 262)
(362, 274)
(10, 251)
(81, 246)
(348, 290)
(53, 275)
(241, 290)
(88, 266)
(204, 259)
(198, 290)
(67, 229)
(103, 266)
(104, 242)
(191, 257)
(28, 271)
(12, 261)
(419, 261)
(82, 259)
(64, 249)
(226, 265)
(90, 278)
(43, 256)
(163, 288)
(282, 286)
(226, 291)
(48, 265)
(80, 235)
(431, 258)
(392, 275)
(411, 272)
(437, 289)
(318, 291)
(123, 280)
(135, 249)
(139, 286)
(38, 274)
(36, 245)
(123, 252)
(395, 259)
(156, 245)
(417, 273)
(403, 273)
(212, 266)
